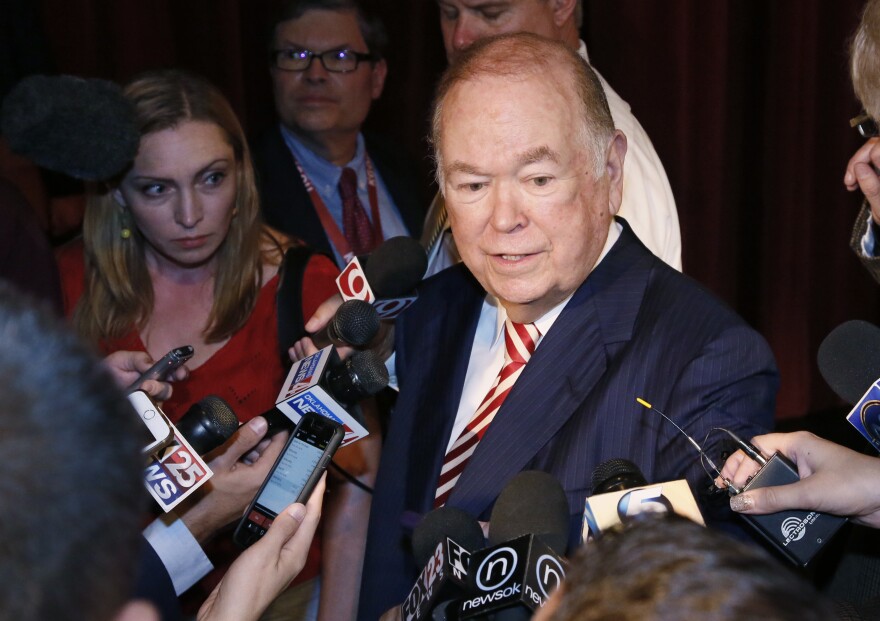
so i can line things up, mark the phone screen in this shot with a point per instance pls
(293, 476)
(292, 472)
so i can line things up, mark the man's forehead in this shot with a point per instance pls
(339, 24)
(480, 5)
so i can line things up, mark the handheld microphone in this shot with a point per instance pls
(442, 543)
(849, 363)
(387, 277)
(355, 323)
(320, 383)
(848, 359)
(523, 564)
(207, 424)
(620, 492)
(83, 128)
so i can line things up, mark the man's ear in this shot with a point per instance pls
(137, 610)
(379, 71)
(563, 10)
(614, 158)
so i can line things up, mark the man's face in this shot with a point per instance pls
(528, 214)
(466, 21)
(316, 101)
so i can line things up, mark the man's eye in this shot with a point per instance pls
(541, 181)
(473, 187)
(491, 16)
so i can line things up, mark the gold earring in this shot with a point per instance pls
(125, 233)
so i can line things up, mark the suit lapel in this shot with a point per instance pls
(448, 329)
(562, 373)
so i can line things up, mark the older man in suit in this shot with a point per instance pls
(531, 354)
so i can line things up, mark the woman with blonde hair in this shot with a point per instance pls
(174, 253)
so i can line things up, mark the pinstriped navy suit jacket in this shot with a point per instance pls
(635, 328)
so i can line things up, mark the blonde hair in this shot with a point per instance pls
(118, 292)
(865, 59)
(516, 57)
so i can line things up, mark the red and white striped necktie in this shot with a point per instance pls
(519, 344)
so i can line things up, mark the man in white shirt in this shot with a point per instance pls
(648, 205)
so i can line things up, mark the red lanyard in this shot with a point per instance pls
(337, 238)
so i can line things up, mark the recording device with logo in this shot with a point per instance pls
(442, 544)
(528, 533)
(797, 534)
(165, 366)
(294, 475)
(386, 278)
(159, 433)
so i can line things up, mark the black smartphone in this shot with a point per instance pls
(294, 475)
(166, 365)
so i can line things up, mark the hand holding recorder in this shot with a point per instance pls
(834, 479)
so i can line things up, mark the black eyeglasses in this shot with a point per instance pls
(866, 126)
(336, 61)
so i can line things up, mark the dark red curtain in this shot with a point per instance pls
(747, 102)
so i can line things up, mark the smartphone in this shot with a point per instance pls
(166, 365)
(294, 475)
(158, 432)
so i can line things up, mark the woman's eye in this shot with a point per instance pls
(153, 189)
(215, 178)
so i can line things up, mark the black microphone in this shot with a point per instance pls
(528, 533)
(361, 375)
(84, 128)
(849, 359)
(395, 267)
(615, 475)
(620, 492)
(387, 277)
(441, 544)
(207, 424)
(355, 323)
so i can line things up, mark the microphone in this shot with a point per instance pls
(848, 359)
(207, 424)
(84, 128)
(441, 543)
(387, 277)
(528, 532)
(361, 375)
(355, 323)
(620, 492)
(321, 383)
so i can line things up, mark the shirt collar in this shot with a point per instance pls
(321, 172)
(582, 51)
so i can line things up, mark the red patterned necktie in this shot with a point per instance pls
(355, 224)
(519, 344)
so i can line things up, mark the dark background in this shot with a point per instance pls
(747, 102)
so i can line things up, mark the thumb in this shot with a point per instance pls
(242, 441)
(285, 525)
(770, 499)
(323, 314)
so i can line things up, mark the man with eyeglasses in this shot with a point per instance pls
(862, 169)
(320, 178)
